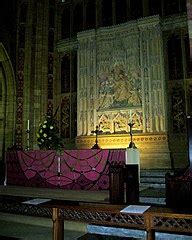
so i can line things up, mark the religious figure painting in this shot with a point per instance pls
(119, 88)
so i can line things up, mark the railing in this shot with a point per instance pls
(153, 220)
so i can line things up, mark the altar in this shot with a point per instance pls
(86, 169)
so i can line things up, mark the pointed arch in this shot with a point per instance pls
(7, 102)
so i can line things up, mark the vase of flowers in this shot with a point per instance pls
(48, 134)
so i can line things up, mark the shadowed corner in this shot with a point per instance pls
(9, 238)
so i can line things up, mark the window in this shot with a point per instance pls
(136, 9)
(175, 58)
(171, 7)
(121, 11)
(51, 17)
(65, 23)
(107, 13)
(65, 74)
(78, 18)
(23, 13)
(90, 15)
(155, 7)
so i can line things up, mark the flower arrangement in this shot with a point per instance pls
(48, 134)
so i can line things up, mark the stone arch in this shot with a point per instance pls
(7, 102)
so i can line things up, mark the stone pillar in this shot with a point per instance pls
(39, 79)
(86, 92)
(28, 86)
(153, 85)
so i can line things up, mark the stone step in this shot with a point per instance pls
(153, 178)
(151, 195)
(152, 185)
(154, 172)
(136, 234)
(93, 236)
(152, 200)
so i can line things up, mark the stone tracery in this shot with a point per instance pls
(124, 63)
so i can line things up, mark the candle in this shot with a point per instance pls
(59, 164)
(132, 157)
(28, 124)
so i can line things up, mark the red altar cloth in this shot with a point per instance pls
(74, 169)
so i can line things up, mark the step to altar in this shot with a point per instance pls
(130, 233)
(152, 189)
(151, 195)
(89, 236)
(154, 178)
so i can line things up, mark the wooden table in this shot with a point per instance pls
(155, 219)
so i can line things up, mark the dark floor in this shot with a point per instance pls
(104, 237)
(20, 231)
(14, 227)
(8, 238)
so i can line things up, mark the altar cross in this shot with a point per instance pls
(131, 144)
(97, 132)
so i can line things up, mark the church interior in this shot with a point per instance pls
(96, 105)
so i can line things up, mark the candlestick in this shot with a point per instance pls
(131, 144)
(59, 164)
(97, 131)
(28, 124)
(27, 131)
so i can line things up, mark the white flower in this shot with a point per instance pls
(41, 131)
(45, 121)
(45, 135)
(49, 138)
(44, 126)
(51, 127)
(42, 140)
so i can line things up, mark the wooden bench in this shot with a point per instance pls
(155, 219)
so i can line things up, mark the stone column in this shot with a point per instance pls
(28, 86)
(86, 91)
(40, 67)
(153, 86)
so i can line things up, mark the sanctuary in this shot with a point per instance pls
(101, 63)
